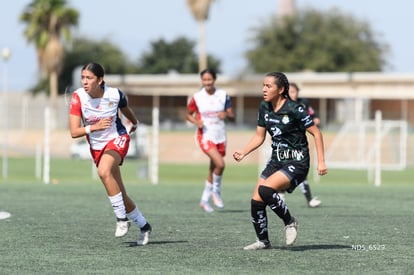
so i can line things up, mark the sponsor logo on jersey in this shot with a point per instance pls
(267, 119)
(288, 154)
(275, 131)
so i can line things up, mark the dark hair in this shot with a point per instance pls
(209, 71)
(293, 84)
(281, 81)
(96, 69)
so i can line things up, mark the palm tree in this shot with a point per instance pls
(286, 7)
(200, 9)
(48, 21)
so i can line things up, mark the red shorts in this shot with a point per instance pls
(207, 145)
(119, 145)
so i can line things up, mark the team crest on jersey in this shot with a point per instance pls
(285, 119)
(111, 104)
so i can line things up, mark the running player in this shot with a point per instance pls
(286, 122)
(94, 114)
(208, 109)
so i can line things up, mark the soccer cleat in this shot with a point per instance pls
(282, 196)
(314, 203)
(143, 237)
(122, 228)
(291, 231)
(258, 245)
(218, 202)
(206, 207)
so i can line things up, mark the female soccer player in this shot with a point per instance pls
(286, 122)
(94, 114)
(208, 109)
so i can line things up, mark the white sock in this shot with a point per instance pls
(303, 186)
(137, 217)
(207, 191)
(216, 183)
(118, 205)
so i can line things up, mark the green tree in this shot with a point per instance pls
(84, 50)
(316, 41)
(48, 22)
(178, 55)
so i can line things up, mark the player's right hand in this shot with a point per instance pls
(200, 124)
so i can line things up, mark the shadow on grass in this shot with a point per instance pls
(133, 244)
(232, 211)
(313, 247)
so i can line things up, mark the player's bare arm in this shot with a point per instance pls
(129, 114)
(317, 135)
(191, 118)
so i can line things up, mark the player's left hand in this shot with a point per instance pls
(222, 115)
(322, 170)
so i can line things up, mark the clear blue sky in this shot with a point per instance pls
(133, 24)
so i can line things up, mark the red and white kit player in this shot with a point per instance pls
(94, 114)
(208, 109)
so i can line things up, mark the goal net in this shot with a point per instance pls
(372, 145)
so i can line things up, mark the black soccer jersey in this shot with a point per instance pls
(287, 128)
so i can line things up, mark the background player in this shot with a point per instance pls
(294, 95)
(208, 109)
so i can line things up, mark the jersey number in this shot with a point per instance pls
(120, 142)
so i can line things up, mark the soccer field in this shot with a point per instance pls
(68, 227)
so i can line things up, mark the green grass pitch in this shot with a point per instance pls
(67, 227)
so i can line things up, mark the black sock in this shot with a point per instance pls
(259, 220)
(146, 227)
(271, 198)
(306, 190)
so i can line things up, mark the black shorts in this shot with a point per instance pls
(295, 171)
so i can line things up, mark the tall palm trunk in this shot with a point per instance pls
(53, 83)
(200, 9)
(52, 65)
(202, 57)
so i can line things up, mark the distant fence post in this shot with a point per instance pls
(46, 154)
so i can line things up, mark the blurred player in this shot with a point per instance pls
(208, 109)
(294, 95)
(94, 114)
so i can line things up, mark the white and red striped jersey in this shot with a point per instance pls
(207, 107)
(91, 110)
